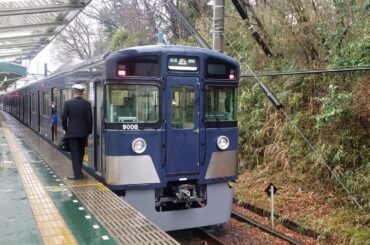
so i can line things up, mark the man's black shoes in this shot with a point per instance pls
(75, 177)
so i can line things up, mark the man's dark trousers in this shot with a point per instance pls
(77, 147)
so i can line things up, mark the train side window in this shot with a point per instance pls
(45, 104)
(33, 102)
(54, 99)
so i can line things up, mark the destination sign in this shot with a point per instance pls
(178, 63)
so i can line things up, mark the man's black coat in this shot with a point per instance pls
(77, 118)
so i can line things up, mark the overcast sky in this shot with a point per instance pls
(36, 66)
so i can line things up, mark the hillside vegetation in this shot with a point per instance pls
(332, 110)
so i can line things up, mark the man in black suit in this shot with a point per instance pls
(77, 123)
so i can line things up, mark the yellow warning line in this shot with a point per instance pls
(52, 227)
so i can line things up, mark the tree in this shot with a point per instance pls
(81, 39)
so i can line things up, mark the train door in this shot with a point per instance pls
(30, 98)
(25, 106)
(38, 111)
(33, 104)
(54, 114)
(97, 113)
(182, 128)
(21, 105)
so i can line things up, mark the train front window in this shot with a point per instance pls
(183, 107)
(220, 104)
(132, 104)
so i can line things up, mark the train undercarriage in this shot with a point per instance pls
(187, 206)
(179, 195)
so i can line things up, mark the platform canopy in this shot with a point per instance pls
(27, 26)
(9, 73)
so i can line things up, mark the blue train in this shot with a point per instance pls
(165, 130)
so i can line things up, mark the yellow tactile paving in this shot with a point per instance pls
(52, 227)
(123, 222)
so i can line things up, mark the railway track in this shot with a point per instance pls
(209, 237)
(289, 224)
(212, 239)
(264, 228)
(196, 236)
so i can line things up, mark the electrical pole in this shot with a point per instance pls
(218, 25)
(45, 70)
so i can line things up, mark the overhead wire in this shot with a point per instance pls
(307, 72)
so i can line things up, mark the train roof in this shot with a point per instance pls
(132, 51)
(172, 49)
(143, 49)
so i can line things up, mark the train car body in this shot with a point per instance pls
(165, 130)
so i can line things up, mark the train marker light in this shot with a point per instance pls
(232, 75)
(121, 71)
(138, 145)
(223, 142)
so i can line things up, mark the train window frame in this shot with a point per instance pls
(220, 122)
(33, 103)
(140, 125)
(128, 63)
(46, 104)
(217, 61)
(62, 98)
(180, 102)
(54, 96)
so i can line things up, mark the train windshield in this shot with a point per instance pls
(220, 104)
(132, 104)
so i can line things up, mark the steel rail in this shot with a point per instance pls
(209, 236)
(265, 228)
(287, 223)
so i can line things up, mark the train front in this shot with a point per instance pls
(170, 136)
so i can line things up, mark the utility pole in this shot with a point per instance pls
(218, 25)
(45, 70)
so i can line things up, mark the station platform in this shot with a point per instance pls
(38, 205)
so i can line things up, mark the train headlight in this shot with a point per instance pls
(223, 142)
(139, 145)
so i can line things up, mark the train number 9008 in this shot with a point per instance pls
(130, 126)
